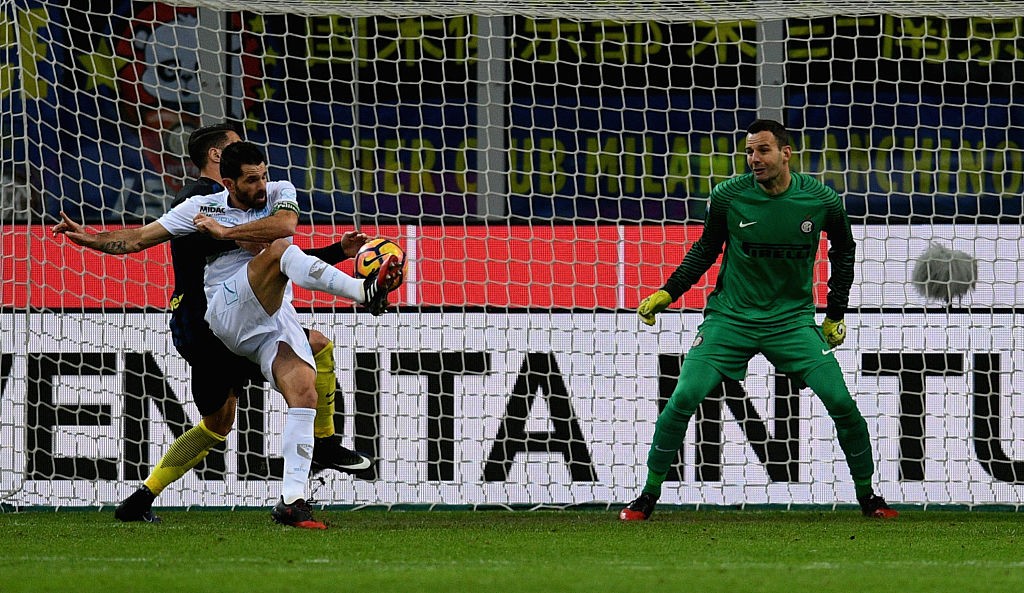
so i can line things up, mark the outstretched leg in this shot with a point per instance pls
(828, 383)
(270, 271)
(696, 380)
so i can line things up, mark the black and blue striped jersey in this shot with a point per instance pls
(189, 254)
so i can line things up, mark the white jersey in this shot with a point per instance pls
(221, 266)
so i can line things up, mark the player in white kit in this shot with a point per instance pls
(248, 287)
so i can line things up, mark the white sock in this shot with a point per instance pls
(314, 273)
(297, 450)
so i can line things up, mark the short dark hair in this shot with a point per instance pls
(236, 155)
(201, 140)
(782, 136)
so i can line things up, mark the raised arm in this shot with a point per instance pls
(116, 242)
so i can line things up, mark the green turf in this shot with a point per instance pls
(561, 551)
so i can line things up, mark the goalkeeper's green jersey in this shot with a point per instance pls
(770, 247)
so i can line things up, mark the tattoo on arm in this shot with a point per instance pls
(115, 247)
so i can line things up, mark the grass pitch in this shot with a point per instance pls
(374, 551)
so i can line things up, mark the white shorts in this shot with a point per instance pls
(236, 317)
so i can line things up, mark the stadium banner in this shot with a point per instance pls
(522, 408)
(594, 153)
(562, 267)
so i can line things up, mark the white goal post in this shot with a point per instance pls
(545, 164)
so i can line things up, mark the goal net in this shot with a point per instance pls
(545, 165)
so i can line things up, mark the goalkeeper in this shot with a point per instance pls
(769, 220)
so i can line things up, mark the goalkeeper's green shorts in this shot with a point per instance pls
(728, 347)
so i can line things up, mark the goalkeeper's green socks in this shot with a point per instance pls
(669, 432)
(326, 386)
(852, 433)
(185, 453)
(696, 380)
(863, 488)
(851, 428)
(853, 438)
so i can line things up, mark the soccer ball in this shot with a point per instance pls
(373, 252)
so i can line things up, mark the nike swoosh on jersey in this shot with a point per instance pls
(744, 225)
(826, 352)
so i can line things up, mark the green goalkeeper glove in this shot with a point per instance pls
(835, 331)
(652, 305)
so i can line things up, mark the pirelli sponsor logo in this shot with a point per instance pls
(776, 251)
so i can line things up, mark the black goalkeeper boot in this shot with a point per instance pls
(874, 506)
(640, 509)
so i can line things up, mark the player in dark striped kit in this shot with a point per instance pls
(770, 221)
